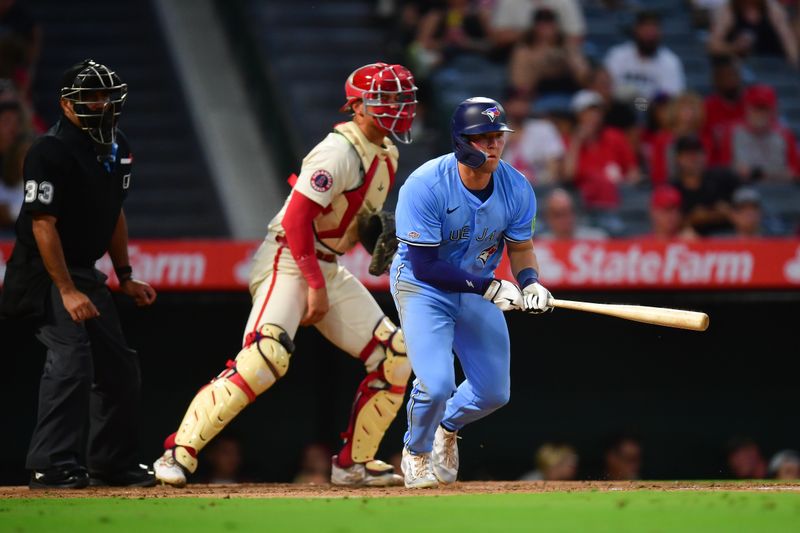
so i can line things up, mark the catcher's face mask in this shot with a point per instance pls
(97, 95)
(389, 95)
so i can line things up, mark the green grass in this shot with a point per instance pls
(577, 511)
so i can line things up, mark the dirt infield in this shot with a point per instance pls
(280, 490)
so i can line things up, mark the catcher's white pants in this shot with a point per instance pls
(279, 294)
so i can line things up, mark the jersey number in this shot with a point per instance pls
(45, 192)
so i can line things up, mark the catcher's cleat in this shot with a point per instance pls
(370, 474)
(168, 471)
(445, 455)
(418, 470)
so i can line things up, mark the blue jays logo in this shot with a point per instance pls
(492, 113)
(487, 253)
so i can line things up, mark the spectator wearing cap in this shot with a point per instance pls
(748, 217)
(643, 64)
(746, 213)
(535, 148)
(785, 465)
(598, 158)
(705, 192)
(561, 221)
(724, 106)
(759, 147)
(753, 28)
(666, 218)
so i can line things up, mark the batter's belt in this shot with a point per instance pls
(322, 256)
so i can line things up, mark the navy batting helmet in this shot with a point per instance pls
(474, 116)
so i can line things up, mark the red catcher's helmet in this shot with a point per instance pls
(389, 95)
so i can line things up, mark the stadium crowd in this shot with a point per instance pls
(596, 124)
(622, 458)
(20, 39)
(592, 125)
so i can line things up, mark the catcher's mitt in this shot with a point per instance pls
(376, 233)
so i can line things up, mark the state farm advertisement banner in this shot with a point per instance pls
(214, 265)
(644, 264)
(625, 264)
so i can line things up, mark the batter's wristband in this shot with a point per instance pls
(124, 273)
(527, 276)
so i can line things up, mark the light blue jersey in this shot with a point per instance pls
(436, 209)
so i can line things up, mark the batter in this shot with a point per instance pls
(455, 215)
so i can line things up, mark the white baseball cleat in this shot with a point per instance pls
(370, 474)
(445, 455)
(418, 470)
(168, 471)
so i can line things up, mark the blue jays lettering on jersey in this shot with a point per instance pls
(469, 233)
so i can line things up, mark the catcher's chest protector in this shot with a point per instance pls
(336, 227)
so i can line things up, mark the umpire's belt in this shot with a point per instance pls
(322, 256)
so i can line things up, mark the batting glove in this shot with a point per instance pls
(536, 299)
(504, 295)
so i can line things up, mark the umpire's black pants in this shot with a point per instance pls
(90, 387)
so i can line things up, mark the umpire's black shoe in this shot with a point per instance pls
(66, 477)
(137, 476)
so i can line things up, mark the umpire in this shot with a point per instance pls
(76, 177)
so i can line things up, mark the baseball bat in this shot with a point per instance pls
(660, 316)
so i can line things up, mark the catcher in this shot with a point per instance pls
(295, 280)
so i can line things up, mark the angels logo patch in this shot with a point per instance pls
(321, 181)
(484, 256)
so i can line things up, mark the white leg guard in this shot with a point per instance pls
(258, 365)
(380, 394)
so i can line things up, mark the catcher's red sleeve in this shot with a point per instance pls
(297, 223)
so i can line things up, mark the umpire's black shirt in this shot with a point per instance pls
(64, 178)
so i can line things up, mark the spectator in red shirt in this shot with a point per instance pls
(759, 147)
(656, 122)
(666, 218)
(725, 105)
(684, 117)
(598, 158)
